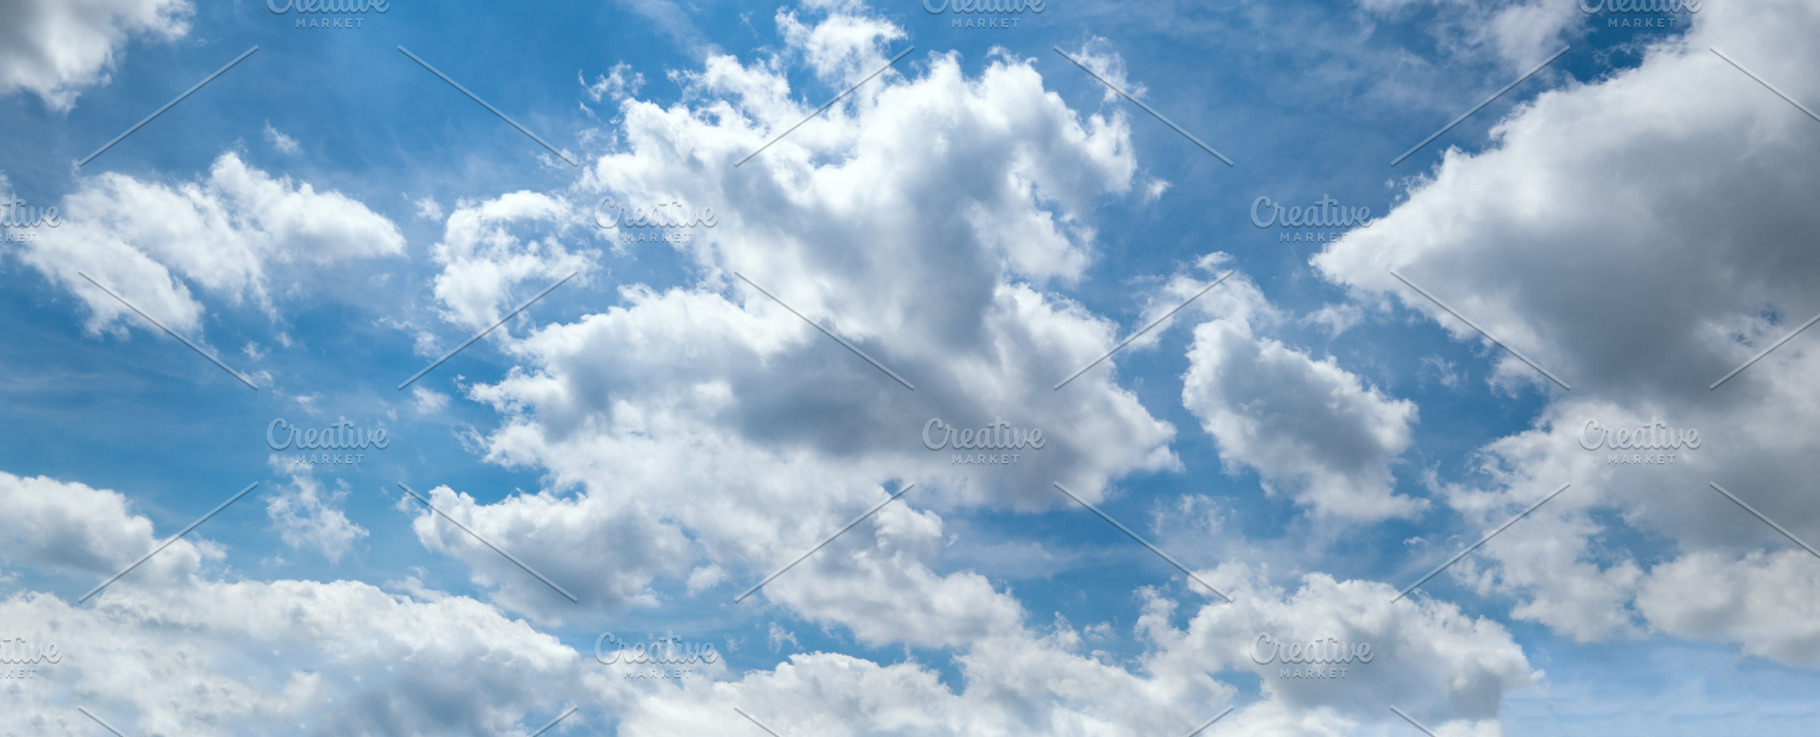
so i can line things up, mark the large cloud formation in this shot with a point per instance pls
(1638, 237)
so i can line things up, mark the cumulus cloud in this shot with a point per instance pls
(1428, 658)
(149, 241)
(1764, 602)
(1424, 656)
(55, 49)
(294, 657)
(483, 258)
(698, 435)
(270, 657)
(1562, 239)
(705, 427)
(80, 531)
(751, 435)
(355, 660)
(1308, 427)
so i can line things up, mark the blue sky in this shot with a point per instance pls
(655, 435)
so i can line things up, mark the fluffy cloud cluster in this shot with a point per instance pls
(1306, 426)
(149, 241)
(706, 425)
(1641, 279)
(168, 649)
(54, 49)
(303, 657)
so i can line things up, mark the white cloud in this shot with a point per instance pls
(149, 241)
(842, 48)
(1562, 240)
(280, 142)
(85, 533)
(428, 209)
(265, 657)
(305, 519)
(703, 433)
(704, 427)
(1763, 602)
(1337, 318)
(617, 84)
(716, 408)
(355, 660)
(606, 557)
(54, 48)
(428, 402)
(273, 657)
(1309, 428)
(483, 261)
(1098, 55)
(1428, 658)
(776, 636)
